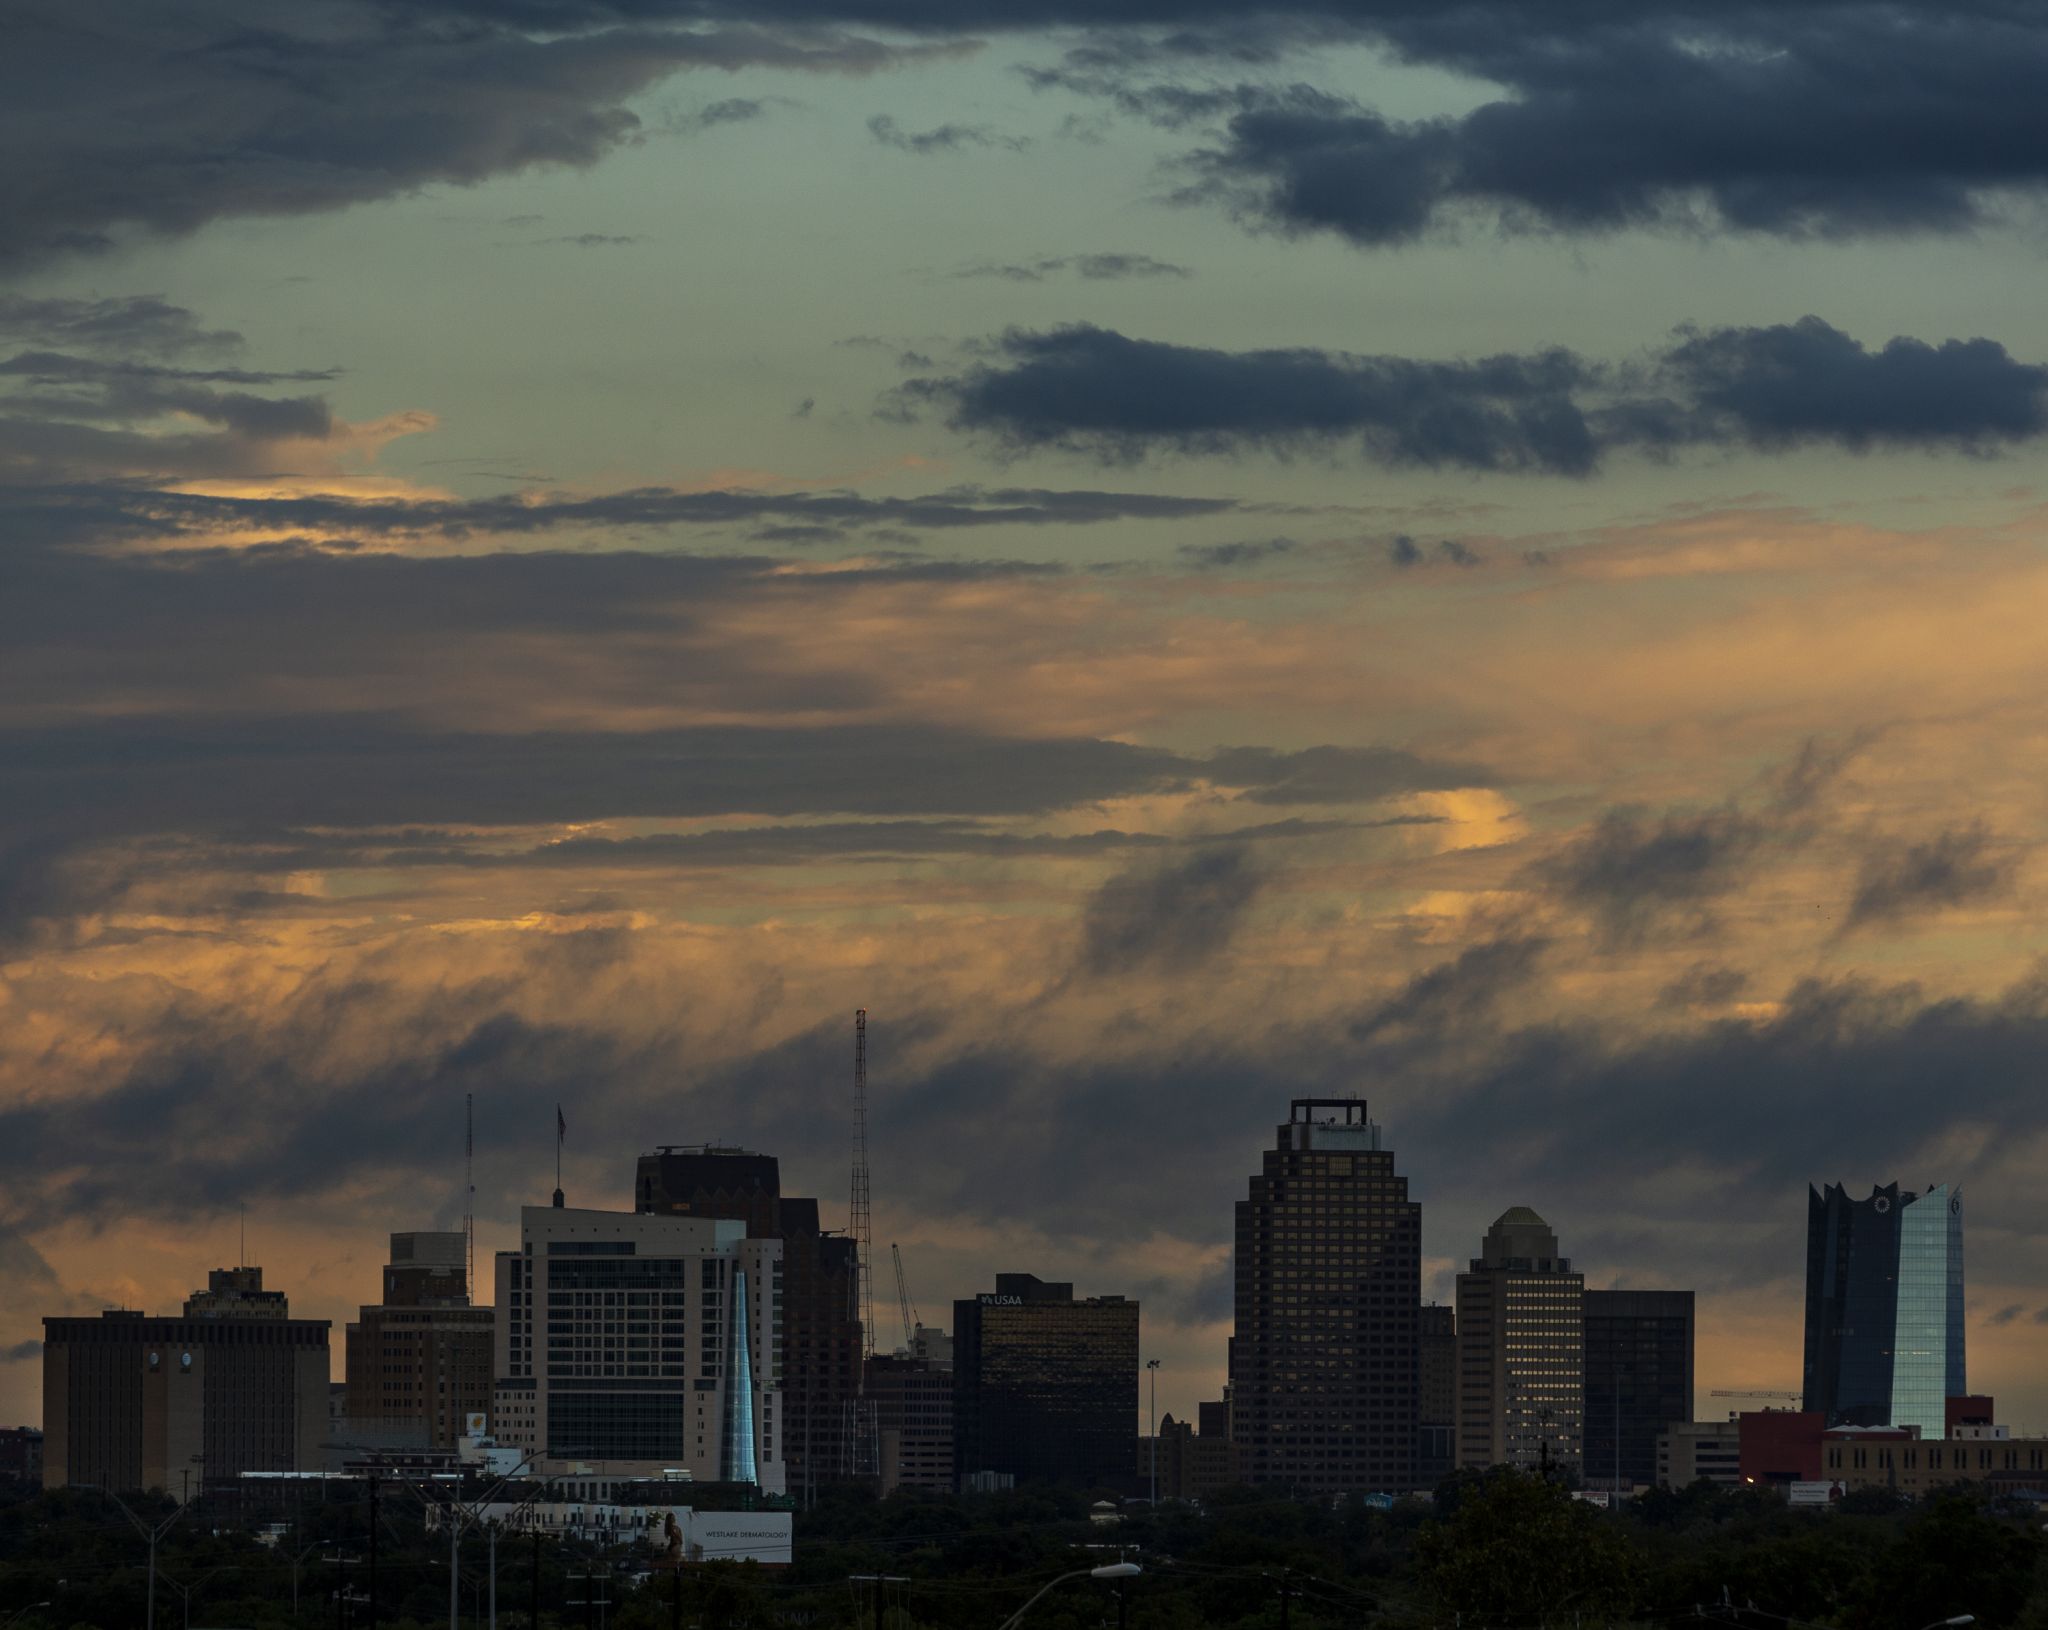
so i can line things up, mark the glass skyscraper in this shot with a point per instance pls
(1884, 1307)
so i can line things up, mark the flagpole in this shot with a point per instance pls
(561, 1131)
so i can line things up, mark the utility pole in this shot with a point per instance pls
(373, 1551)
(535, 1604)
(1286, 1591)
(151, 1534)
(491, 1531)
(878, 1580)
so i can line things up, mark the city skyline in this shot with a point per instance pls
(668, 1176)
(1481, 554)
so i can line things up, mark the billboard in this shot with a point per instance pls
(740, 1536)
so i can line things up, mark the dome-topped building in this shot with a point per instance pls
(1521, 1344)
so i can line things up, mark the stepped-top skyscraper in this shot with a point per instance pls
(1329, 1287)
(1884, 1306)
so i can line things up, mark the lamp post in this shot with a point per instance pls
(1152, 1371)
(1110, 1570)
(1955, 1623)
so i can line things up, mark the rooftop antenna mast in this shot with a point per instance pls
(863, 1225)
(469, 1193)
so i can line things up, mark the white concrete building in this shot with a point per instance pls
(642, 1341)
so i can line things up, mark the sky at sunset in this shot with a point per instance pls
(1486, 554)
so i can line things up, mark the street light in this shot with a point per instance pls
(1109, 1570)
(1955, 1623)
(17, 1613)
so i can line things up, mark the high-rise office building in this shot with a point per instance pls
(645, 1342)
(821, 1333)
(1639, 1380)
(1884, 1306)
(1324, 1367)
(233, 1384)
(1045, 1387)
(1521, 1350)
(1436, 1444)
(419, 1360)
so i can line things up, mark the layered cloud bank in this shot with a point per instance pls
(1764, 389)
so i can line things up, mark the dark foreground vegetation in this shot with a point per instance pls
(1502, 1550)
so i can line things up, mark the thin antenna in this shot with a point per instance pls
(469, 1192)
(244, 1262)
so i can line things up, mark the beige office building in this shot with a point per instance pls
(1521, 1350)
(234, 1384)
(1690, 1452)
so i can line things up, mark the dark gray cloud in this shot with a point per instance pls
(1956, 867)
(2005, 1315)
(596, 240)
(1812, 120)
(146, 121)
(1338, 775)
(1806, 382)
(946, 138)
(1797, 787)
(1245, 552)
(1640, 878)
(99, 510)
(126, 325)
(733, 110)
(368, 771)
(1095, 391)
(1174, 916)
(21, 1352)
(1451, 996)
(1831, 116)
(1405, 552)
(1704, 985)
(1099, 268)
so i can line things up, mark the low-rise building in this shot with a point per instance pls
(1190, 1465)
(1897, 1458)
(21, 1454)
(1690, 1452)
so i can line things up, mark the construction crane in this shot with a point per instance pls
(910, 1318)
(1755, 1392)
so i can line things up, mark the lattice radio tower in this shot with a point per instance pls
(863, 1222)
(469, 1194)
